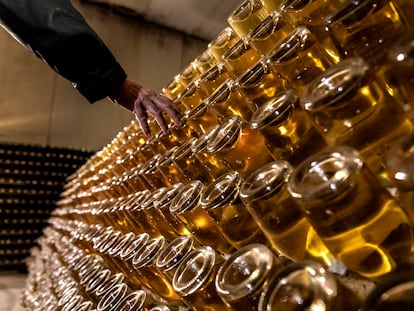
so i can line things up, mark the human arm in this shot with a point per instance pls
(56, 32)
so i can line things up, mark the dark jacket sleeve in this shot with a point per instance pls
(56, 32)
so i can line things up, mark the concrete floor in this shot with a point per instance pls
(11, 286)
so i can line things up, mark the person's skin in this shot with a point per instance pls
(142, 101)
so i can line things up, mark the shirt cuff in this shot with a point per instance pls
(104, 86)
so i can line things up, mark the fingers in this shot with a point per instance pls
(142, 118)
(169, 108)
(152, 108)
(143, 101)
(155, 104)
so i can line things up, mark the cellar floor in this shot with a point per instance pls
(11, 286)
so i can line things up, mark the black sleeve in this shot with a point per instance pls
(56, 32)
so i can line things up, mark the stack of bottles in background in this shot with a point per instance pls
(31, 181)
(294, 156)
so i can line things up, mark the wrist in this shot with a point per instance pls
(126, 94)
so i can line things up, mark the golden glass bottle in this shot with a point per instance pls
(156, 217)
(106, 241)
(112, 298)
(298, 58)
(307, 285)
(201, 119)
(288, 129)
(84, 306)
(152, 147)
(73, 303)
(213, 164)
(173, 254)
(173, 88)
(192, 96)
(213, 78)
(101, 284)
(260, 84)
(399, 65)
(137, 219)
(406, 9)
(247, 16)
(394, 293)
(194, 280)
(110, 214)
(133, 182)
(240, 148)
(186, 207)
(126, 255)
(311, 14)
(133, 300)
(365, 28)
(399, 164)
(205, 61)
(228, 100)
(189, 165)
(163, 205)
(177, 134)
(357, 219)
(148, 274)
(131, 213)
(151, 173)
(239, 58)
(112, 257)
(189, 74)
(156, 145)
(222, 42)
(245, 274)
(347, 103)
(167, 170)
(67, 296)
(269, 32)
(161, 307)
(273, 5)
(222, 202)
(279, 216)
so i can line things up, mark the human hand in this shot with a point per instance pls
(142, 101)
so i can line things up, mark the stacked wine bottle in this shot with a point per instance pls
(291, 168)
